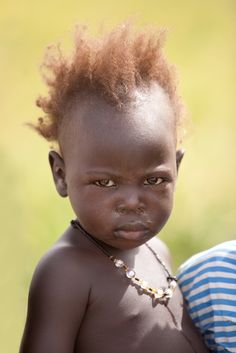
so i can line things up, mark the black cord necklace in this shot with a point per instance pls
(161, 294)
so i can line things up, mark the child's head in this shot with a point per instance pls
(114, 111)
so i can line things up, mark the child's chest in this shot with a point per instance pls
(120, 314)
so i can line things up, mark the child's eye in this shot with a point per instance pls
(153, 181)
(104, 183)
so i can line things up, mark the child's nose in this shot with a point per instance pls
(131, 201)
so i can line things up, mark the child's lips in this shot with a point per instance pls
(132, 231)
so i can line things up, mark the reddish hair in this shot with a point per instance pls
(111, 66)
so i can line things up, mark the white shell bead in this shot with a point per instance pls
(173, 285)
(130, 274)
(118, 263)
(159, 294)
(168, 293)
(144, 284)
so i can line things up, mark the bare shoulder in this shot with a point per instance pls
(161, 249)
(58, 297)
(61, 274)
(61, 260)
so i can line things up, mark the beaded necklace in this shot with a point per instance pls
(161, 294)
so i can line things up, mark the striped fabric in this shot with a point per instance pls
(208, 283)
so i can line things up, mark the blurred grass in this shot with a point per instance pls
(201, 43)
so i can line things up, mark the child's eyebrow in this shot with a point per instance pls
(102, 172)
(160, 169)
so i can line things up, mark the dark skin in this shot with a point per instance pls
(119, 170)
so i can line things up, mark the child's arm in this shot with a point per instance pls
(58, 298)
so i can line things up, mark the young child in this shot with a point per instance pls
(105, 286)
(208, 283)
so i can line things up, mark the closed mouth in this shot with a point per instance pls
(132, 231)
(132, 227)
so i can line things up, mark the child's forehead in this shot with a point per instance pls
(147, 116)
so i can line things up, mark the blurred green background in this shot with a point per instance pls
(201, 42)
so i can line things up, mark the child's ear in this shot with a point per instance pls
(179, 156)
(58, 171)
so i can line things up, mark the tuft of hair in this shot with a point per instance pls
(111, 66)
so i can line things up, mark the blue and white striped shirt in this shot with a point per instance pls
(208, 284)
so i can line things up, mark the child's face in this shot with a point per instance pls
(119, 168)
